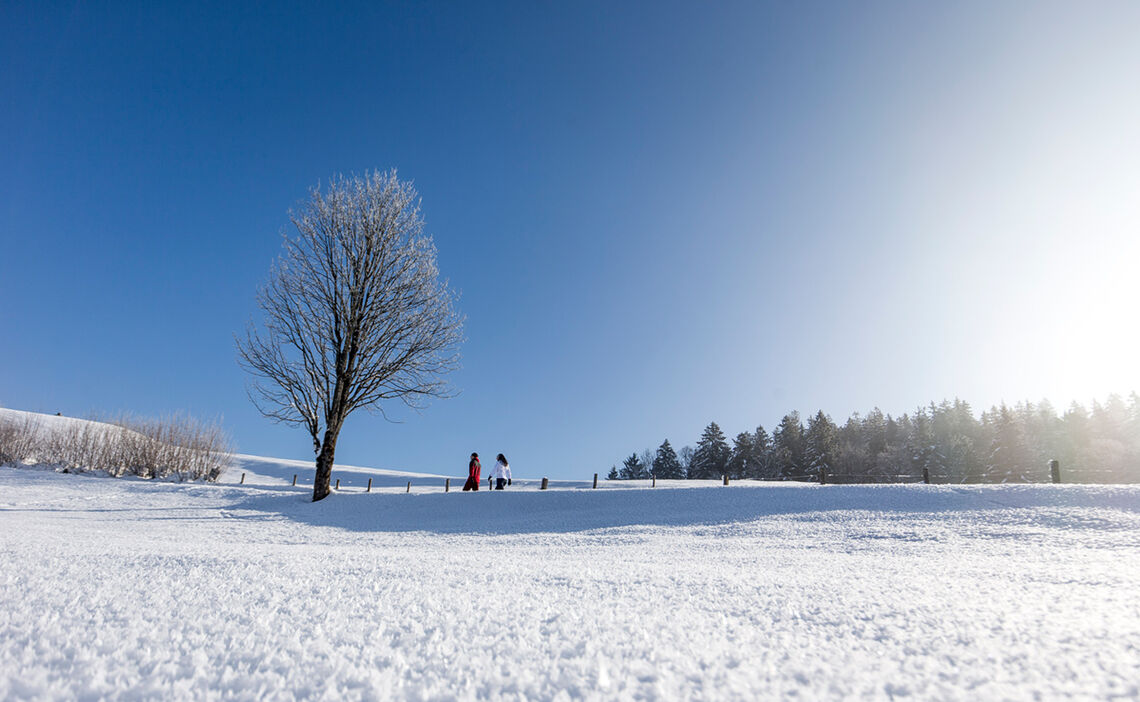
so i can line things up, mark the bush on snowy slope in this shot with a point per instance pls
(17, 439)
(176, 447)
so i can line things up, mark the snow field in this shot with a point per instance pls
(126, 589)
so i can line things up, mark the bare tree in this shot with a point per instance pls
(686, 457)
(355, 314)
(647, 457)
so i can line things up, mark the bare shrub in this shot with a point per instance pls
(79, 447)
(175, 447)
(18, 438)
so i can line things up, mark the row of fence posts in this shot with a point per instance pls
(446, 483)
(1054, 473)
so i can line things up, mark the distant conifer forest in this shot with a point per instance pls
(946, 442)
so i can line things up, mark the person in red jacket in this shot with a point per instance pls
(473, 469)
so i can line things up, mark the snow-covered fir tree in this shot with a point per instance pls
(666, 465)
(763, 465)
(710, 459)
(788, 444)
(925, 454)
(821, 440)
(632, 468)
(1006, 462)
(740, 459)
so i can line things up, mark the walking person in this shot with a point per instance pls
(473, 469)
(502, 472)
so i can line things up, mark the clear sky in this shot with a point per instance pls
(658, 215)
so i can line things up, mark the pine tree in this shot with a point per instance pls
(966, 453)
(921, 446)
(740, 459)
(1108, 448)
(942, 445)
(710, 459)
(1043, 436)
(875, 429)
(763, 459)
(665, 463)
(1074, 438)
(632, 468)
(1006, 461)
(896, 457)
(852, 454)
(820, 443)
(896, 430)
(1133, 437)
(788, 444)
(613, 473)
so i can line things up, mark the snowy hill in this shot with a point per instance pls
(139, 589)
(47, 422)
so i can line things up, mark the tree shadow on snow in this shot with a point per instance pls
(567, 510)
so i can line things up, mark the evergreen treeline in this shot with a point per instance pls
(1004, 444)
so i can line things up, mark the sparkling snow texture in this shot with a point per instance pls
(127, 589)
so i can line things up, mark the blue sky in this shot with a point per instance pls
(658, 215)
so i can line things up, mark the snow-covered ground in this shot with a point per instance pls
(139, 590)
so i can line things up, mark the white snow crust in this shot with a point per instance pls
(128, 589)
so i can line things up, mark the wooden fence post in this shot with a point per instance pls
(447, 485)
(823, 476)
(337, 484)
(654, 483)
(726, 478)
(1055, 470)
(595, 481)
(409, 486)
(926, 475)
(369, 485)
(294, 480)
(545, 484)
(242, 479)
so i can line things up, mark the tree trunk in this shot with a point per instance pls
(324, 466)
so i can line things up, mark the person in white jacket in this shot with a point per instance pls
(502, 472)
